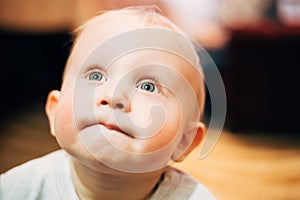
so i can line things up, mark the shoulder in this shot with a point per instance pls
(30, 179)
(38, 166)
(179, 185)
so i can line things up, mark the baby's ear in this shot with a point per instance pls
(50, 108)
(186, 146)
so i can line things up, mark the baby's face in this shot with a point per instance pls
(132, 114)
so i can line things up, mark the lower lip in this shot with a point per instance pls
(109, 131)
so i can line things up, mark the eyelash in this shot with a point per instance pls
(152, 79)
(94, 68)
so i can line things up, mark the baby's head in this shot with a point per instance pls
(132, 93)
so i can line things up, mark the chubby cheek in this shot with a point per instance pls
(65, 129)
(162, 123)
(142, 113)
(171, 130)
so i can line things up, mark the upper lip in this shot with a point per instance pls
(116, 128)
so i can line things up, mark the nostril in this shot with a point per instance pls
(116, 105)
(119, 105)
(103, 102)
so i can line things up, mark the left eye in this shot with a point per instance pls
(148, 87)
(96, 76)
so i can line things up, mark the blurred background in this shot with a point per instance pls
(255, 45)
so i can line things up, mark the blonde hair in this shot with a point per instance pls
(148, 16)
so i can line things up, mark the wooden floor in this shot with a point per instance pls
(250, 166)
(241, 166)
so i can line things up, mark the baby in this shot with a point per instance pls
(130, 104)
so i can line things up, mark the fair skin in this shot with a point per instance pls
(109, 117)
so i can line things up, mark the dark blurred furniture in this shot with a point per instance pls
(262, 79)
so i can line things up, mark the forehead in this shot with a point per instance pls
(93, 35)
(152, 61)
(101, 29)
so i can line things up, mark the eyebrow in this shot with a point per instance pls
(90, 67)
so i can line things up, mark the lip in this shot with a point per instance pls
(116, 128)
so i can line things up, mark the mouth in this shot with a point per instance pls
(116, 128)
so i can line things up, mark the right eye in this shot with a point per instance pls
(96, 76)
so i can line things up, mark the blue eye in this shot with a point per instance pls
(148, 87)
(96, 76)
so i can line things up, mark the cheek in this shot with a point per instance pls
(172, 126)
(167, 128)
(140, 114)
(65, 130)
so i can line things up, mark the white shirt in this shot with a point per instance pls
(49, 178)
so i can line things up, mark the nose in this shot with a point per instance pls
(114, 100)
(117, 104)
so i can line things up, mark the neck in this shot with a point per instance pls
(92, 184)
